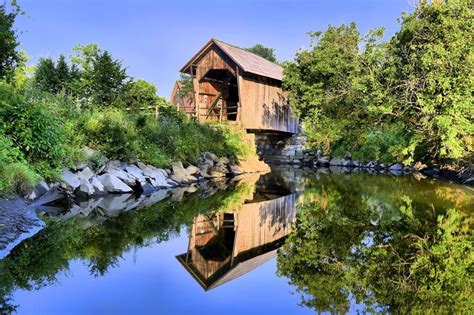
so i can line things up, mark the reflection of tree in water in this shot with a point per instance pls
(37, 262)
(413, 257)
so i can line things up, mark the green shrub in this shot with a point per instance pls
(111, 132)
(17, 178)
(34, 128)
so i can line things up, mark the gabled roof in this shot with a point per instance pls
(247, 61)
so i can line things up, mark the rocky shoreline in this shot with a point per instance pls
(103, 185)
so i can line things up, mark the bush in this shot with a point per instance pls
(17, 177)
(111, 132)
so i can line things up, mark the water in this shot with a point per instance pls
(288, 242)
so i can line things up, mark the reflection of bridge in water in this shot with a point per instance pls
(225, 246)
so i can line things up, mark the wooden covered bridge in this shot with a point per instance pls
(232, 84)
(225, 246)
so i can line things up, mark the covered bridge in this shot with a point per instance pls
(232, 84)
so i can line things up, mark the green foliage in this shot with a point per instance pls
(9, 56)
(382, 246)
(140, 96)
(111, 132)
(187, 89)
(263, 51)
(403, 100)
(51, 77)
(102, 79)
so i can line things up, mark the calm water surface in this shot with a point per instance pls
(288, 242)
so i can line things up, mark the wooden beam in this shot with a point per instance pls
(239, 87)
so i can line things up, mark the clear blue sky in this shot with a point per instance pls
(155, 38)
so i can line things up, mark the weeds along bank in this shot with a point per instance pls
(42, 133)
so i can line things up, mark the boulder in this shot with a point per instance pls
(346, 163)
(135, 172)
(157, 177)
(123, 176)
(336, 161)
(70, 180)
(192, 170)
(355, 163)
(112, 206)
(98, 186)
(396, 167)
(223, 160)
(210, 156)
(87, 173)
(86, 188)
(112, 184)
(419, 166)
(371, 164)
(38, 191)
(323, 161)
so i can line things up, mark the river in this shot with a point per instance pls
(288, 242)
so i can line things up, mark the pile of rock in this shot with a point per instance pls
(116, 177)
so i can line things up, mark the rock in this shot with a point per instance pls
(296, 161)
(136, 173)
(419, 166)
(80, 166)
(157, 177)
(323, 161)
(98, 186)
(419, 176)
(215, 174)
(355, 163)
(223, 160)
(178, 168)
(210, 156)
(431, 171)
(396, 172)
(87, 173)
(396, 167)
(49, 197)
(147, 188)
(346, 163)
(89, 153)
(38, 191)
(86, 188)
(371, 164)
(112, 184)
(70, 180)
(336, 162)
(114, 205)
(123, 176)
(220, 167)
(192, 170)
(382, 166)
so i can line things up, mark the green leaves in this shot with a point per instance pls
(417, 87)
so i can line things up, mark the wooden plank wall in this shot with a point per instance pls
(265, 107)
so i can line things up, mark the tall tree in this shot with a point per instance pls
(9, 56)
(265, 52)
(45, 77)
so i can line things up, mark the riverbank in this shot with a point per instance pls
(100, 187)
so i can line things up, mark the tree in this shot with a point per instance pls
(9, 56)
(140, 96)
(187, 89)
(262, 51)
(102, 78)
(45, 77)
(399, 101)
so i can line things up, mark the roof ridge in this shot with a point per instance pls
(244, 49)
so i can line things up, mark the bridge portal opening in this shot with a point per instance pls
(225, 104)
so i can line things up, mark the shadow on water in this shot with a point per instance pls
(387, 243)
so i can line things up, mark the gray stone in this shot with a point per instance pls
(97, 185)
(157, 177)
(147, 189)
(112, 184)
(210, 156)
(123, 176)
(70, 180)
(223, 160)
(87, 173)
(346, 163)
(371, 164)
(396, 167)
(323, 161)
(90, 153)
(113, 205)
(336, 162)
(136, 173)
(38, 191)
(355, 163)
(85, 188)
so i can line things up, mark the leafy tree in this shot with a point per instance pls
(403, 100)
(187, 89)
(265, 52)
(140, 96)
(45, 75)
(387, 250)
(102, 78)
(9, 56)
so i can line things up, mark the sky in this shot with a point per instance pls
(154, 39)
